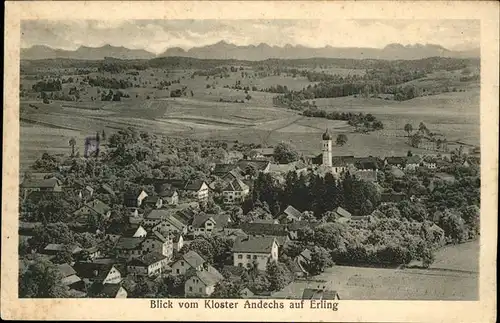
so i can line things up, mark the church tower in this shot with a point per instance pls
(327, 149)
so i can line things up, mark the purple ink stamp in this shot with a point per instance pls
(92, 146)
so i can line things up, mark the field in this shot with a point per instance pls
(458, 257)
(453, 276)
(201, 114)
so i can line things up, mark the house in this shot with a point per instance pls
(135, 232)
(202, 283)
(221, 182)
(320, 293)
(129, 247)
(281, 168)
(231, 233)
(152, 264)
(189, 260)
(154, 202)
(304, 258)
(398, 162)
(203, 224)
(391, 197)
(253, 167)
(104, 273)
(156, 242)
(169, 196)
(197, 189)
(264, 229)
(94, 208)
(396, 172)
(366, 175)
(89, 253)
(86, 192)
(260, 153)
(248, 250)
(70, 278)
(98, 290)
(365, 163)
(134, 198)
(178, 242)
(222, 170)
(165, 221)
(41, 185)
(339, 165)
(53, 249)
(206, 224)
(106, 189)
(185, 213)
(342, 215)
(429, 162)
(235, 192)
(290, 214)
(134, 217)
(297, 269)
(266, 221)
(412, 163)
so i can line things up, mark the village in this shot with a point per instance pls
(229, 233)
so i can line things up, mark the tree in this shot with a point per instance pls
(341, 139)
(202, 247)
(471, 216)
(409, 153)
(144, 289)
(285, 153)
(415, 140)
(51, 233)
(425, 253)
(172, 286)
(453, 226)
(49, 208)
(64, 256)
(408, 128)
(366, 207)
(320, 259)
(72, 143)
(227, 289)
(42, 279)
(422, 128)
(278, 275)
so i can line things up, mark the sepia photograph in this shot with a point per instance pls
(250, 162)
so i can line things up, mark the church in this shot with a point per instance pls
(329, 163)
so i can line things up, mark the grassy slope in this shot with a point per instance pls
(456, 115)
(357, 283)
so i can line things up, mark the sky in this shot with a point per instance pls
(158, 35)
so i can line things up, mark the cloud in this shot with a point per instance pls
(157, 35)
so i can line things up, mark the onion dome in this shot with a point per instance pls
(326, 135)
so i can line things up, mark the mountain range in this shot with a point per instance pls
(224, 50)
(84, 52)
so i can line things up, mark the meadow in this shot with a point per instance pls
(201, 114)
(453, 276)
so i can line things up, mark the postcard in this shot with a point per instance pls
(250, 161)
